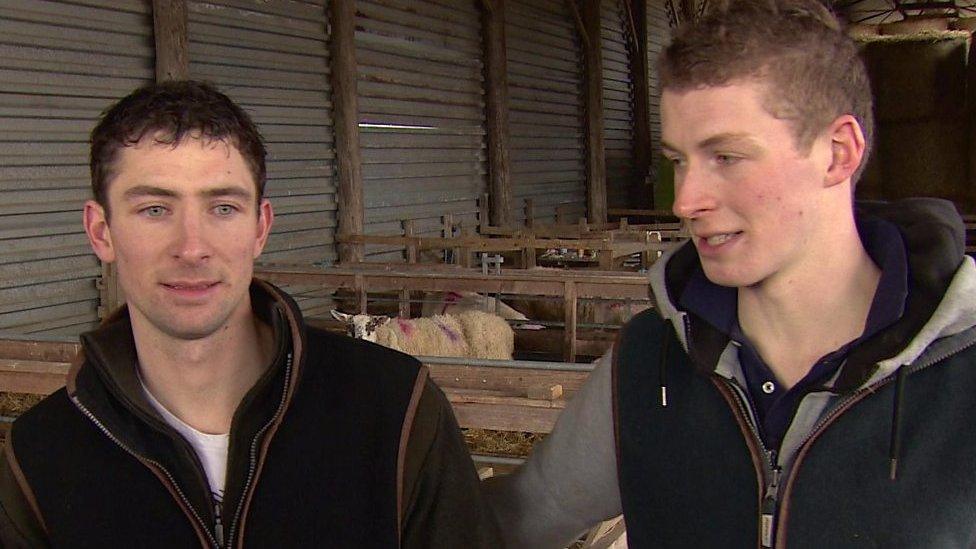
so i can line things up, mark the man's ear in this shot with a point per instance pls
(98, 231)
(265, 219)
(846, 148)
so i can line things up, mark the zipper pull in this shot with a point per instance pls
(218, 525)
(769, 504)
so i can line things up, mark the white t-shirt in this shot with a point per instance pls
(211, 449)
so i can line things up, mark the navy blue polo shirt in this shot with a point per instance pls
(774, 405)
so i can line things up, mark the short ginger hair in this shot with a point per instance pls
(811, 70)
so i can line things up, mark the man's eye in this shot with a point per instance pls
(726, 159)
(225, 209)
(154, 211)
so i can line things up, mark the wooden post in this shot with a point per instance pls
(529, 213)
(569, 321)
(404, 303)
(496, 102)
(448, 232)
(640, 192)
(411, 245)
(169, 33)
(346, 106)
(596, 171)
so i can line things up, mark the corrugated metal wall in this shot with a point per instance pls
(618, 112)
(545, 109)
(61, 64)
(421, 111)
(272, 58)
(658, 36)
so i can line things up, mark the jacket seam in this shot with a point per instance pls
(22, 482)
(408, 418)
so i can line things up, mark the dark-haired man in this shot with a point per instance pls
(205, 412)
(807, 376)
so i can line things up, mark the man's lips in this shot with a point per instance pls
(190, 286)
(713, 241)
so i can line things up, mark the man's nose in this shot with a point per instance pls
(192, 240)
(693, 195)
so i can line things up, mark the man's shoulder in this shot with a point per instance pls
(47, 422)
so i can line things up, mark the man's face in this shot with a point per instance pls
(749, 197)
(185, 229)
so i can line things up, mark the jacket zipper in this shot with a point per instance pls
(145, 460)
(771, 469)
(252, 466)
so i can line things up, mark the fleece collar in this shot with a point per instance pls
(941, 299)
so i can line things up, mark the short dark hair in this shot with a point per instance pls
(813, 71)
(169, 112)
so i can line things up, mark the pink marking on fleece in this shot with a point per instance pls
(406, 327)
(450, 299)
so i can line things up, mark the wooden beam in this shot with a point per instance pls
(640, 193)
(170, 35)
(496, 65)
(346, 106)
(596, 171)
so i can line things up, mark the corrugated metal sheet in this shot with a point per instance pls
(658, 36)
(273, 59)
(61, 64)
(421, 111)
(618, 112)
(545, 109)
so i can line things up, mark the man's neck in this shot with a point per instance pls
(203, 381)
(794, 321)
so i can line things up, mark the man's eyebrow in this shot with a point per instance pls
(234, 192)
(148, 190)
(725, 139)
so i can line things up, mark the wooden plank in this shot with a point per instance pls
(32, 376)
(505, 418)
(345, 101)
(496, 113)
(509, 380)
(48, 351)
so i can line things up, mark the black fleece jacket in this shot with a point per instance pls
(341, 443)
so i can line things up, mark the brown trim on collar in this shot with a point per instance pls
(22, 481)
(298, 356)
(71, 385)
(408, 417)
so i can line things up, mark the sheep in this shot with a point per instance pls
(473, 334)
(453, 302)
(588, 311)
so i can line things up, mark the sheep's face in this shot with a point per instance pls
(361, 326)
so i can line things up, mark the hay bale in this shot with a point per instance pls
(861, 30)
(500, 443)
(14, 404)
(919, 76)
(927, 158)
